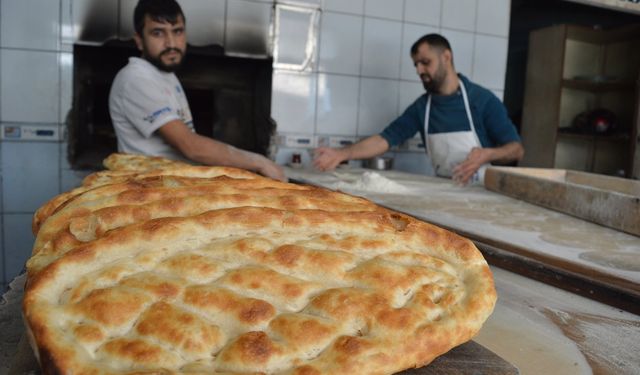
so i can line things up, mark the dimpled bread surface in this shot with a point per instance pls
(165, 268)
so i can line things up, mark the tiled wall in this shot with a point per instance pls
(362, 77)
(359, 79)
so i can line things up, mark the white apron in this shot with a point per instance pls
(446, 150)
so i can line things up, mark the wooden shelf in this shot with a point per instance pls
(622, 138)
(570, 71)
(598, 86)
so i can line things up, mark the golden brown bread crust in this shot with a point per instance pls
(133, 162)
(123, 167)
(217, 275)
(90, 213)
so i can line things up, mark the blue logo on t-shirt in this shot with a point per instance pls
(152, 117)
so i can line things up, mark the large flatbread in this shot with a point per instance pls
(188, 275)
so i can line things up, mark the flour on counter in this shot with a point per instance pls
(372, 182)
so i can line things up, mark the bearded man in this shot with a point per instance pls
(148, 106)
(464, 126)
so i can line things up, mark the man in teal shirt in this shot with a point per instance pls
(463, 125)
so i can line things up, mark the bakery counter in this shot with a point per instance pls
(545, 330)
(537, 328)
(534, 327)
(577, 255)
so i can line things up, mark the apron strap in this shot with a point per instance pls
(467, 108)
(427, 111)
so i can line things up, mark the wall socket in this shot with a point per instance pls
(335, 141)
(31, 133)
(296, 140)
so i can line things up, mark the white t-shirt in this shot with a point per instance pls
(142, 99)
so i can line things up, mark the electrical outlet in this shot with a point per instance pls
(335, 141)
(299, 141)
(341, 141)
(415, 144)
(31, 133)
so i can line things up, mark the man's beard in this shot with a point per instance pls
(436, 82)
(157, 60)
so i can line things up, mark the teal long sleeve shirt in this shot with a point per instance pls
(448, 114)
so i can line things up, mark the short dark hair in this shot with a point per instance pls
(433, 40)
(158, 10)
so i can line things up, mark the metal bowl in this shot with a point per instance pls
(381, 163)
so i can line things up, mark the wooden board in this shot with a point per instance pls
(610, 201)
(466, 359)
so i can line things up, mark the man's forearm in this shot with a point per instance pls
(211, 152)
(367, 148)
(207, 151)
(507, 153)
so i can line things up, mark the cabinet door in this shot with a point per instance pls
(542, 96)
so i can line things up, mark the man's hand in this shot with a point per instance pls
(327, 159)
(475, 159)
(272, 170)
(509, 152)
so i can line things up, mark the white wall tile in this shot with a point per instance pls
(66, 23)
(493, 17)
(205, 20)
(293, 104)
(315, 4)
(65, 61)
(337, 104)
(94, 21)
(378, 105)
(410, 34)
(391, 9)
(29, 86)
(64, 162)
(71, 179)
(247, 27)
(499, 94)
(462, 45)
(459, 14)
(425, 12)
(30, 173)
(381, 48)
(3, 278)
(409, 92)
(18, 243)
(30, 24)
(351, 6)
(340, 43)
(490, 61)
(126, 29)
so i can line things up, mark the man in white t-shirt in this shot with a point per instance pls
(148, 107)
